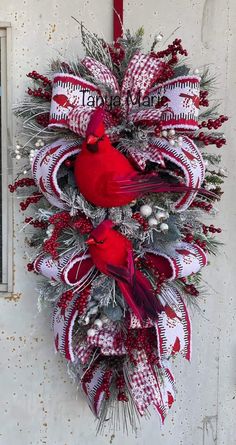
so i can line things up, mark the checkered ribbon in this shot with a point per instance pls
(72, 96)
(142, 72)
(101, 73)
(109, 339)
(149, 387)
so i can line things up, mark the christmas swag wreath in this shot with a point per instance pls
(120, 180)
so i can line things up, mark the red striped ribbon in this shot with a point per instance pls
(117, 19)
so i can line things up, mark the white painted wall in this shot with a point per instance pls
(38, 403)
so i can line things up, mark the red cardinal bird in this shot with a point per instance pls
(106, 178)
(112, 254)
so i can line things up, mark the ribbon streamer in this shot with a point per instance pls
(63, 322)
(118, 10)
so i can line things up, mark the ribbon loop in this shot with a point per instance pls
(72, 268)
(188, 158)
(182, 95)
(45, 168)
(69, 92)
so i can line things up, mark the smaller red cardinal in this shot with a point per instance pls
(112, 254)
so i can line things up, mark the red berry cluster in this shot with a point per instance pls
(189, 238)
(83, 225)
(208, 139)
(30, 267)
(33, 199)
(88, 375)
(120, 385)
(82, 301)
(36, 223)
(202, 205)
(60, 221)
(141, 339)
(173, 49)
(58, 218)
(191, 289)
(24, 182)
(211, 229)
(201, 243)
(159, 277)
(167, 73)
(36, 76)
(141, 220)
(43, 119)
(204, 102)
(116, 52)
(158, 128)
(39, 92)
(65, 299)
(214, 123)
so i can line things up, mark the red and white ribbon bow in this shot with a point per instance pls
(74, 100)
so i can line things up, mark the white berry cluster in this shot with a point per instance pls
(155, 217)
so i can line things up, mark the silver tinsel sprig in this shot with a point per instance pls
(76, 202)
(49, 292)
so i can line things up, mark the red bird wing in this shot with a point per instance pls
(136, 289)
(125, 274)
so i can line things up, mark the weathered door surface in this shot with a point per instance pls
(39, 404)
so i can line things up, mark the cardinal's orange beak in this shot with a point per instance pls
(90, 242)
(91, 139)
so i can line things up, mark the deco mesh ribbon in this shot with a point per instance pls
(120, 277)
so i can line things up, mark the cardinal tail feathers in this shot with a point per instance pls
(142, 184)
(141, 298)
(142, 288)
(127, 293)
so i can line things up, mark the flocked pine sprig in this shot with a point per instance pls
(214, 178)
(208, 81)
(74, 67)
(77, 202)
(211, 158)
(211, 112)
(130, 43)
(181, 69)
(94, 46)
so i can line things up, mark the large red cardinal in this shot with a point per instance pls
(104, 175)
(112, 254)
